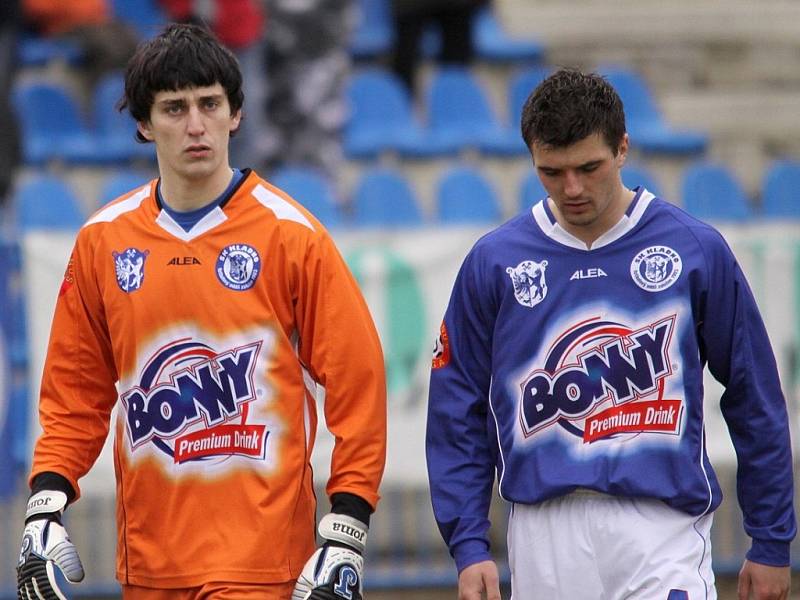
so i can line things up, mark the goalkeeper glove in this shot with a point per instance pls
(334, 571)
(45, 543)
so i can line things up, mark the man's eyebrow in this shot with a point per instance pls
(588, 163)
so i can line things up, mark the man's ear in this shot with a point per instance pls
(236, 120)
(144, 130)
(622, 151)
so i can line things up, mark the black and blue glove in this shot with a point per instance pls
(46, 545)
(334, 571)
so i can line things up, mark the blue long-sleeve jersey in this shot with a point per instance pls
(560, 367)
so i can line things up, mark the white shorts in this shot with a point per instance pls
(592, 546)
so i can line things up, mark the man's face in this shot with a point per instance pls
(583, 181)
(191, 128)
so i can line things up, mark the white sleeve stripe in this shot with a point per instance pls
(282, 209)
(109, 213)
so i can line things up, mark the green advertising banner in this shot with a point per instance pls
(406, 277)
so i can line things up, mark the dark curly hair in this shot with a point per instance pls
(569, 106)
(184, 55)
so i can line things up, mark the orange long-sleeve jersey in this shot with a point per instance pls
(213, 341)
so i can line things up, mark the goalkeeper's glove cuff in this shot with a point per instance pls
(344, 529)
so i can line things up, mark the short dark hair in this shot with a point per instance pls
(184, 55)
(569, 106)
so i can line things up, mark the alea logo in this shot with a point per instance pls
(187, 384)
(602, 362)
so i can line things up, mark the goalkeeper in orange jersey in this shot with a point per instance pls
(209, 307)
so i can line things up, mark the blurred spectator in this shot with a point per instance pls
(106, 43)
(9, 134)
(308, 62)
(411, 18)
(239, 24)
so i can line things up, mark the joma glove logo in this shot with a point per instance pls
(623, 368)
(345, 529)
(212, 390)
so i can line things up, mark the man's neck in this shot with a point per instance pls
(185, 195)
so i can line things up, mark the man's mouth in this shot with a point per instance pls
(198, 150)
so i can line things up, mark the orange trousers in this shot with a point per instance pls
(212, 591)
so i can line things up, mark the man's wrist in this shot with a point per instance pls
(345, 503)
(49, 480)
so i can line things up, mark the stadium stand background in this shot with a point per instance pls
(717, 85)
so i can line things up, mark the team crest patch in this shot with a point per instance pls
(441, 349)
(527, 277)
(238, 266)
(656, 268)
(129, 267)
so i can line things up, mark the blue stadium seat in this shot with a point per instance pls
(47, 202)
(145, 16)
(116, 130)
(531, 190)
(40, 51)
(122, 181)
(374, 33)
(645, 122)
(52, 125)
(493, 43)
(382, 119)
(460, 112)
(465, 196)
(520, 86)
(635, 175)
(311, 189)
(781, 190)
(384, 198)
(709, 191)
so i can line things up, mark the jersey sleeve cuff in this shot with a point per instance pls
(470, 552)
(769, 552)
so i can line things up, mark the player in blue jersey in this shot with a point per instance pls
(569, 367)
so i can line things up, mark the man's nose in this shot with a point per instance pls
(194, 122)
(573, 186)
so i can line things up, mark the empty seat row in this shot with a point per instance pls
(384, 197)
(54, 127)
(458, 115)
(381, 198)
(463, 195)
(711, 191)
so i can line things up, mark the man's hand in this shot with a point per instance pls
(763, 582)
(476, 579)
(45, 544)
(334, 571)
